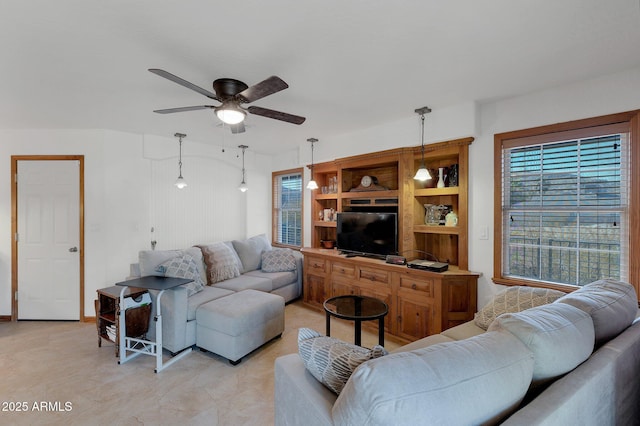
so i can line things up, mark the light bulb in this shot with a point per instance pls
(180, 182)
(230, 115)
(243, 187)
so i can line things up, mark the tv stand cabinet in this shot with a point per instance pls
(420, 303)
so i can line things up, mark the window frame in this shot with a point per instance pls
(534, 136)
(275, 176)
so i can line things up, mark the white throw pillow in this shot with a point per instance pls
(332, 361)
(514, 299)
(183, 266)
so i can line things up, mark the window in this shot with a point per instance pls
(564, 197)
(287, 208)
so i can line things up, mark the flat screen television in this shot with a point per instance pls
(367, 234)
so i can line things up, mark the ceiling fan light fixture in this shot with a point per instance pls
(230, 114)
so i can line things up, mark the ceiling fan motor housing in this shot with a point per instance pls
(227, 88)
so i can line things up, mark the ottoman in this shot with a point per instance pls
(234, 325)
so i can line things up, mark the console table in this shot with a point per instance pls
(137, 346)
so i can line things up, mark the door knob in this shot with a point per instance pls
(73, 249)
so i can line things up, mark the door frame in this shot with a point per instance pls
(14, 223)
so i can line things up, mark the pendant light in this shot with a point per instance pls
(243, 186)
(422, 174)
(180, 182)
(312, 183)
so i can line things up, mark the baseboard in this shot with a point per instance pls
(5, 318)
(89, 319)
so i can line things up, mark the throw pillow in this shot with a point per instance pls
(278, 260)
(514, 299)
(331, 361)
(250, 251)
(221, 262)
(183, 266)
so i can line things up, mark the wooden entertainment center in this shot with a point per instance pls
(420, 302)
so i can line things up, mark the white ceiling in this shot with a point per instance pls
(350, 64)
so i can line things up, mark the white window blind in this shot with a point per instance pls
(565, 207)
(287, 208)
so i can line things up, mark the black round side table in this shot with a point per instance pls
(357, 309)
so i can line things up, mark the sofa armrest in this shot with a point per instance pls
(299, 397)
(299, 271)
(174, 318)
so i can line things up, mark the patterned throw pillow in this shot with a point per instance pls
(514, 299)
(183, 266)
(278, 260)
(221, 262)
(332, 361)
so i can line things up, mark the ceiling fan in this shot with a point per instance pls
(232, 94)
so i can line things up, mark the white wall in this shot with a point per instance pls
(604, 95)
(129, 188)
(128, 178)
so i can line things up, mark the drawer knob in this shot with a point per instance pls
(414, 286)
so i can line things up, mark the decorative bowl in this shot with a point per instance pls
(328, 244)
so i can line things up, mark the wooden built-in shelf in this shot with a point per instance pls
(444, 230)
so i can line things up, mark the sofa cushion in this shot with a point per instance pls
(207, 295)
(559, 335)
(246, 282)
(278, 260)
(183, 267)
(278, 279)
(149, 260)
(474, 381)
(250, 251)
(221, 262)
(613, 305)
(332, 361)
(514, 299)
(425, 342)
(463, 331)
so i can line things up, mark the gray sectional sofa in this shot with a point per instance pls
(224, 269)
(574, 360)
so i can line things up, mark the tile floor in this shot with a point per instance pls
(58, 375)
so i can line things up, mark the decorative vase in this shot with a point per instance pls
(441, 177)
(453, 175)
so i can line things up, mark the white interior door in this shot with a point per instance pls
(48, 240)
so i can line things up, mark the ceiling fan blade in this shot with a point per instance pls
(266, 87)
(277, 115)
(183, 109)
(182, 82)
(237, 128)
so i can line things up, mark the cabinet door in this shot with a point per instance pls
(339, 288)
(384, 295)
(416, 316)
(314, 292)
